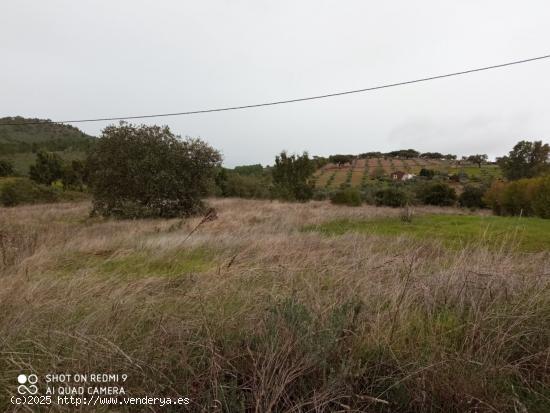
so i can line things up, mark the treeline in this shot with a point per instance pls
(251, 181)
(147, 171)
(290, 178)
(51, 179)
(48, 168)
(342, 159)
(407, 154)
(399, 194)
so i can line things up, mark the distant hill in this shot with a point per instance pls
(19, 143)
(47, 136)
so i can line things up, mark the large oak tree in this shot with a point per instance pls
(147, 171)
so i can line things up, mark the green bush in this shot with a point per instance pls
(292, 177)
(541, 198)
(321, 194)
(6, 168)
(24, 191)
(369, 190)
(246, 186)
(512, 198)
(437, 193)
(472, 197)
(243, 182)
(74, 175)
(517, 198)
(427, 173)
(348, 196)
(147, 171)
(47, 169)
(392, 196)
(529, 196)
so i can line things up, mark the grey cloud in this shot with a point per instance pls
(66, 59)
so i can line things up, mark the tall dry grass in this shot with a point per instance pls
(252, 314)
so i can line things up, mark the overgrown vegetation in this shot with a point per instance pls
(252, 315)
(432, 313)
(392, 196)
(522, 197)
(347, 196)
(47, 169)
(243, 183)
(18, 191)
(472, 197)
(21, 191)
(437, 193)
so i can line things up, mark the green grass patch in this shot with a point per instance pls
(132, 264)
(476, 172)
(530, 234)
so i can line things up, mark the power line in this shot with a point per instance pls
(281, 102)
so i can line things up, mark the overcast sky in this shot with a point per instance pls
(66, 59)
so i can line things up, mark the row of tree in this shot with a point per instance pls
(137, 171)
(340, 159)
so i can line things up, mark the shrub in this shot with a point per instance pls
(437, 193)
(147, 171)
(47, 168)
(24, 191)
(6, 168)
(427, 173)
(74, 175)
(291, 177)
(509, 198)
(320, 194)
(369, 190)
(472, 197)
(517, 198)
(541, 198)
(233, 184)
(392, 196)
(348, 196)
(521, 197)
(492, 196)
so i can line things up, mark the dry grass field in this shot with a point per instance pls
(252, 313)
